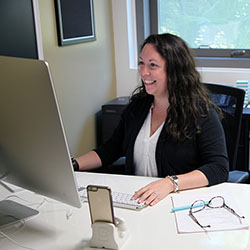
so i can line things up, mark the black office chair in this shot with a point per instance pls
(230, 100)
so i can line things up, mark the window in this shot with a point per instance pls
(217, 30)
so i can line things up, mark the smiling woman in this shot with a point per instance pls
(170, 129)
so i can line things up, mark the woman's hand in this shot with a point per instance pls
(154, 192)
(157, 190)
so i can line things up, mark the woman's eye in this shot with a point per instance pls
(153, 65)
(140, 63)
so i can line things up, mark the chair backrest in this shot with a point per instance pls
(230, 100)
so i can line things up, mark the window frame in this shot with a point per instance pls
(147, 23)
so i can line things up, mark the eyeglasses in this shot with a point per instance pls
(215, 202)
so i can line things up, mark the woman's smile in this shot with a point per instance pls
(148, 82)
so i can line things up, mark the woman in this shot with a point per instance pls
(170, 129)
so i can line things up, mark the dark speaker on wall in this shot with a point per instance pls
(20, 29)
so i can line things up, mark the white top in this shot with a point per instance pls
(144, 149)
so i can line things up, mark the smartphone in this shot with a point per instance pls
(100, 204)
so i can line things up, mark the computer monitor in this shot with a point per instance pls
(33, 148)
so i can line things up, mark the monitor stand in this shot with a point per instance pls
(12, 212)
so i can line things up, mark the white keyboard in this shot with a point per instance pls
(122, 200)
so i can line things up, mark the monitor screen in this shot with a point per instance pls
(33, 149)
(20, 29)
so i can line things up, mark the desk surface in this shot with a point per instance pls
(151, 228)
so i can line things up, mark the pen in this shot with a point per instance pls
(176, 209)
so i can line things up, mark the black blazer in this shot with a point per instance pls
(205, 151)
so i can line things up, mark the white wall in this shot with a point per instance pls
(127, 78)
(83, 73)
(225, 76)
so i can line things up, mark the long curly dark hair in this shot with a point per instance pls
(188, 97)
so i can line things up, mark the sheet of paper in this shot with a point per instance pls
(219, 219)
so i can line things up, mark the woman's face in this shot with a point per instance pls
(152, 69)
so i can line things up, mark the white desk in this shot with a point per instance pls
(151, 228)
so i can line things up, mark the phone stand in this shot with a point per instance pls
(109, 235)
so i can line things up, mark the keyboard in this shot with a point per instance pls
(122, 200)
